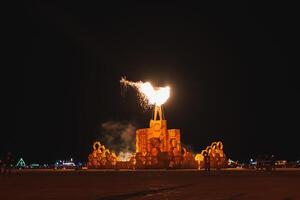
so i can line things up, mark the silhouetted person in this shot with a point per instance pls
(207, 162)
(259, 161)
(7, 163)
(133, 162)
(272, 162)
(218, 160)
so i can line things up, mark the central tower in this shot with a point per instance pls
(157, 137)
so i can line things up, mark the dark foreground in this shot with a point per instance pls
(121, 185)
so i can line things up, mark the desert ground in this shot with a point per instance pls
(154, 184)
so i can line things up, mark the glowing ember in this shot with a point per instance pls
(124, 156)
(151, 95)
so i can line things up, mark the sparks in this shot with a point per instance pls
(151, 95)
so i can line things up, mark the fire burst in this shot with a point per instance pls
(149, 95)
(156, 146)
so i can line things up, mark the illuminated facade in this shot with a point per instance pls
(160, 147)
(157, 147)
(157, 138)
(216, 154)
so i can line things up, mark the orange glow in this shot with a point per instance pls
(150, 95)
(156, 146)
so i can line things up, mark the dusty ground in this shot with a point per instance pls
(121, 185)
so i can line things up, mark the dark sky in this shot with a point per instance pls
(231, 67)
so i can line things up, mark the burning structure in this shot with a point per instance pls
(160, 147)
(157, 138)
(156, 146)
(216, 154)
(101, 157)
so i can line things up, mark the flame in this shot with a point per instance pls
(152, 95)
(124, 156)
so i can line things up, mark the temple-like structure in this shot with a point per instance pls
(158, 138)
(157, 147)
(160, 147)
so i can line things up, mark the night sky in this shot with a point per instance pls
(230, 66)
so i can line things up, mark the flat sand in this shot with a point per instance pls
(155, 184)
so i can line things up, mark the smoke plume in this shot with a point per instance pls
(118, 136)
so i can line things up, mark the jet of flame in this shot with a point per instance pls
(151, 95)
